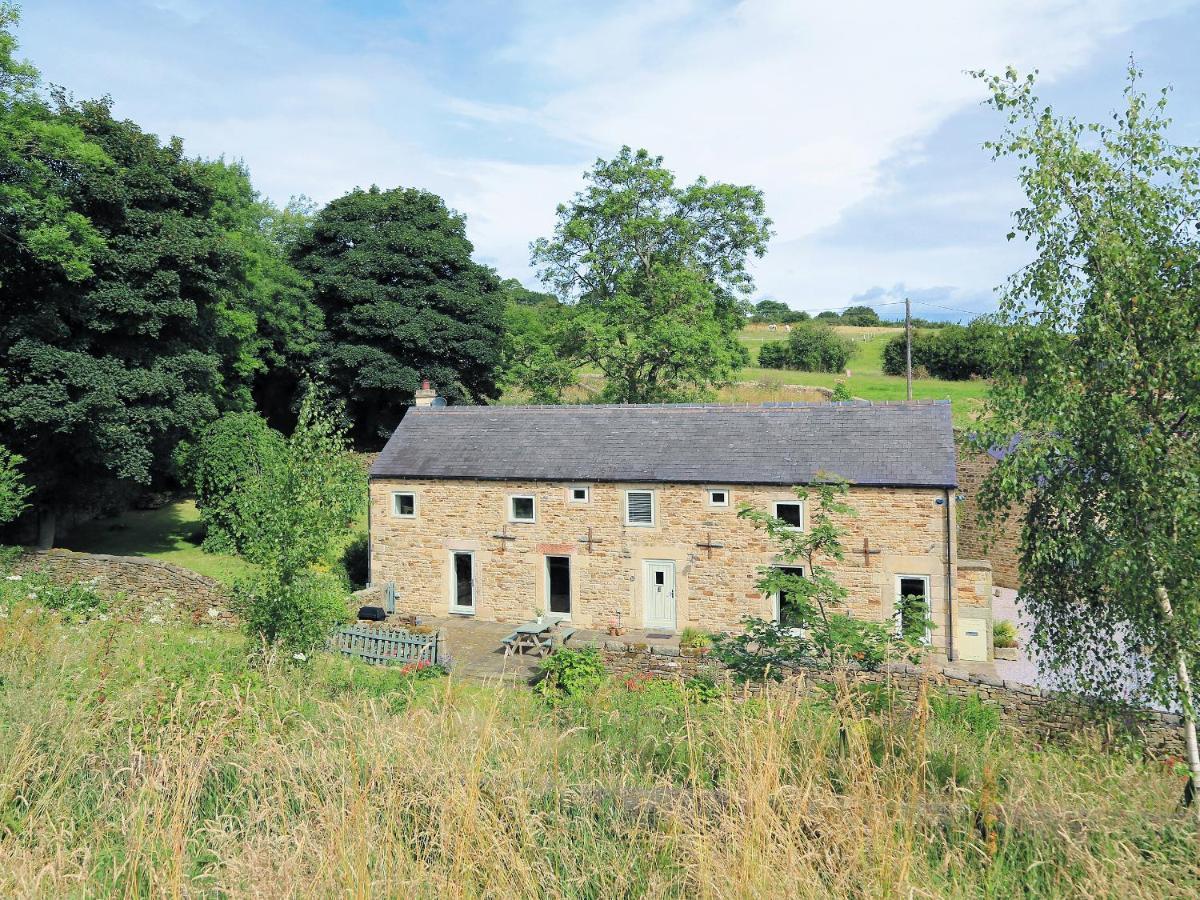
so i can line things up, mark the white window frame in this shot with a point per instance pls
(800, 503)
(570, 583)
(928, 603)
(512, 516)
(724, 504)
(653, 508)
(587, 494)
(396, 514)
(775, 598)
(455, 609)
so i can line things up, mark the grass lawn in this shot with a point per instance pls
(171, 534)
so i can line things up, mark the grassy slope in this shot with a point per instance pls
(155, 763)
(170, 534)
(867, 379)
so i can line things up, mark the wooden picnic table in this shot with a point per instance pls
(534, 636)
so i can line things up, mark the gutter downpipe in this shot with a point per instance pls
(951, 653)
(370, 580)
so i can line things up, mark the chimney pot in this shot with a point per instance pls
(425, 396)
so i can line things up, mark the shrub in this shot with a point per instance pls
(570, 673)
(695, 638)
(294, 614)
(814, 348)
(13, 490)
(230, 454)
(841, 393)
(354, 560)
(1004, 634)
(954, 352)
(809, 348)
(773, 355)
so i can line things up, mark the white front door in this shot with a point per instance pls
(660, 594)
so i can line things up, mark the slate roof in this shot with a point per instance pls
(886, 444)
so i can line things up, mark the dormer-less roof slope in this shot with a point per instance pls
(889, 444)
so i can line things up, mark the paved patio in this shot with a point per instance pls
(476, 652)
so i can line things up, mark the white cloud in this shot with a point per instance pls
(806, 100)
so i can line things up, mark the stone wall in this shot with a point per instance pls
(715, 586)
(156, 588)
(1000, 546)
(1039, 714)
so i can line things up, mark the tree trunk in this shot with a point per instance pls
(47, 526)
(1189, 711)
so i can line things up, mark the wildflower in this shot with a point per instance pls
(13, 578)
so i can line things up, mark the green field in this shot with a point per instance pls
(866, 380)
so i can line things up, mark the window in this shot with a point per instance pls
(639, 507)
(521, 509)
(718, 497)
(791, 512)
(404, 505)
(784, 606)
(579, 493)
(912, 607)
(462, 582)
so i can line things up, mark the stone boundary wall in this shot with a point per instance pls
(1039, 714)
(160, 588)
(1000, 547)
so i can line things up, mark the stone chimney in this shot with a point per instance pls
(425, 396)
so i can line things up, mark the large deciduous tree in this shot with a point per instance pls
(283, 324)
(403, 301)
(1097, 402)
(127, 338)
(657, 275)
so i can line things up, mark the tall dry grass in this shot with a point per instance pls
(145, 763)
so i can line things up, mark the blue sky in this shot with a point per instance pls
(856, 119)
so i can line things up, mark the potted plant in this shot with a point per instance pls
(1004, 640)
(696, 641)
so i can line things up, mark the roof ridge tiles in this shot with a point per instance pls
(765, 404)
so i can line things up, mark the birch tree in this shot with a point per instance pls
(1097, 404)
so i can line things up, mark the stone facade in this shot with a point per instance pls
(1039, 714)
(907, 528)
(999, 546)
(160, 587)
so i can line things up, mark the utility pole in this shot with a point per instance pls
(908, 344)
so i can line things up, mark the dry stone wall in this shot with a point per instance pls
(1039, 714)
(157, 588)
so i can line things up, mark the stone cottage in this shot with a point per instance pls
(629, 513)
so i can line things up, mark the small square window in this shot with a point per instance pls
(639, 507)
(520, 509)
(579, 493)
(791, 513)
(718, 497)
(404, 505)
